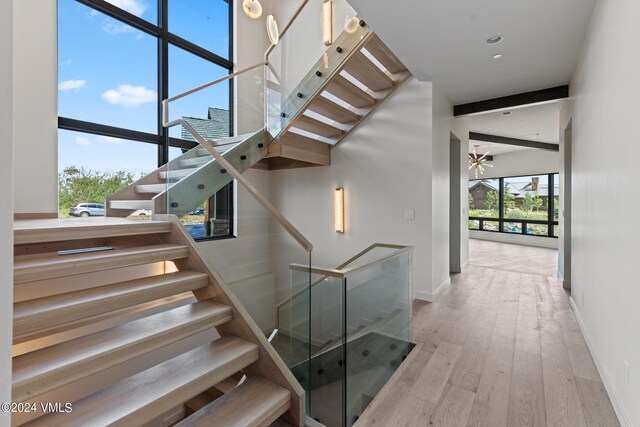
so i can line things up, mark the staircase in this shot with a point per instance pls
(326, 106)
(124, 320)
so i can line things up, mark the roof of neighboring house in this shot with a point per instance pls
(488, 184)
(216, 126)
(518, 189)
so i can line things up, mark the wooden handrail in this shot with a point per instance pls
(248, 186)
(165, 103)
(340, 272)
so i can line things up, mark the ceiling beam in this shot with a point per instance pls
(535, 97)
(475, 136)
(487, 158)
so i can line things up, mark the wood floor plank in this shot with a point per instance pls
(433, 379)
(596, 405)
(384, 405)
(562, 403)
(454, 407)
(412, 412)
(526, 397)
(491, 405)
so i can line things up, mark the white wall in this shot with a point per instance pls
(6, 207)
(35, 67)
(604, 274)
(384, 167)
(440, 190)
(524, 162)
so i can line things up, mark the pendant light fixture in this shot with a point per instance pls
(478, 162)
(272, 25)
(252, 8)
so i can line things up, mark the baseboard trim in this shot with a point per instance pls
(431, 297)
(606, 379)
(465, 264)
(34, 215)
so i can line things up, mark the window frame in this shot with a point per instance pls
(550, 222)
(164, 38)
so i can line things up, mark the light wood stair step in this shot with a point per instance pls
(131, 205)
(349, 92)
(333, 111)
(52, 266)
(196, 161)
(32, 315)
(368, 73)
(52, 367)
(64, 229)
(257, 402)
(384, 55)
(144, 396)
(175, 173)
(151, 188)
(317, 127)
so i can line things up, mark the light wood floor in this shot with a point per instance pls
(518, 258)
(497, 348)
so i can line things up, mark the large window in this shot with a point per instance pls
(519, 205)
(117, 60)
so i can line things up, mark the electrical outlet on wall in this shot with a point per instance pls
(410, 214)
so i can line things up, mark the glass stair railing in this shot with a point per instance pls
(346, 334)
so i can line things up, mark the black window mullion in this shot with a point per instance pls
(550, 204)
(163, 79)
(122, 15)
(105, 130)
(198, 51)
(501, 204)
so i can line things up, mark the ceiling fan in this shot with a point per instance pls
(478, 162)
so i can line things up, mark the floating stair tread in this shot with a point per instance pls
(257, 402)
(30, 269)
(384, 55)
(317, 127)
(63, 229)
(368, 73)
(196, 161)
(333, 111)
(141, 398)
(131, 204)
(52, 367)
(32, 315)
(349, 92)
(175, 173)
(151, 188)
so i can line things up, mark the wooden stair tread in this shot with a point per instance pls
(342, 88)
(52, 367)
(131, 205)
(151, 188)
(368, 73)
(317, 127)
(175, 173)
(142, 397)
(32, 315)
(196, 161)
(384, 55)
(63, 229)
(48, 267)
(257, 402)
(333, 111)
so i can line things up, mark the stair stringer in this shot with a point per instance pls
(269, 365)
(206, 180)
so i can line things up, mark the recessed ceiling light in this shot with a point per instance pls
(495, 39)
(497, 56)
(506, 113)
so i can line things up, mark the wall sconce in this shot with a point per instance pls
(327, 22)
(338, 207)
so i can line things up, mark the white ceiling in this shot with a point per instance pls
(445, 41)
(534, 123)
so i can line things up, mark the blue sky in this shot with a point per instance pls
(107, 74)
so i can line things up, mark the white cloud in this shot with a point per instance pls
(134, 7)
(81, 141)
(65, 63)
(129, 95)
(71, 84)
(109, 140)
(113, 27)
